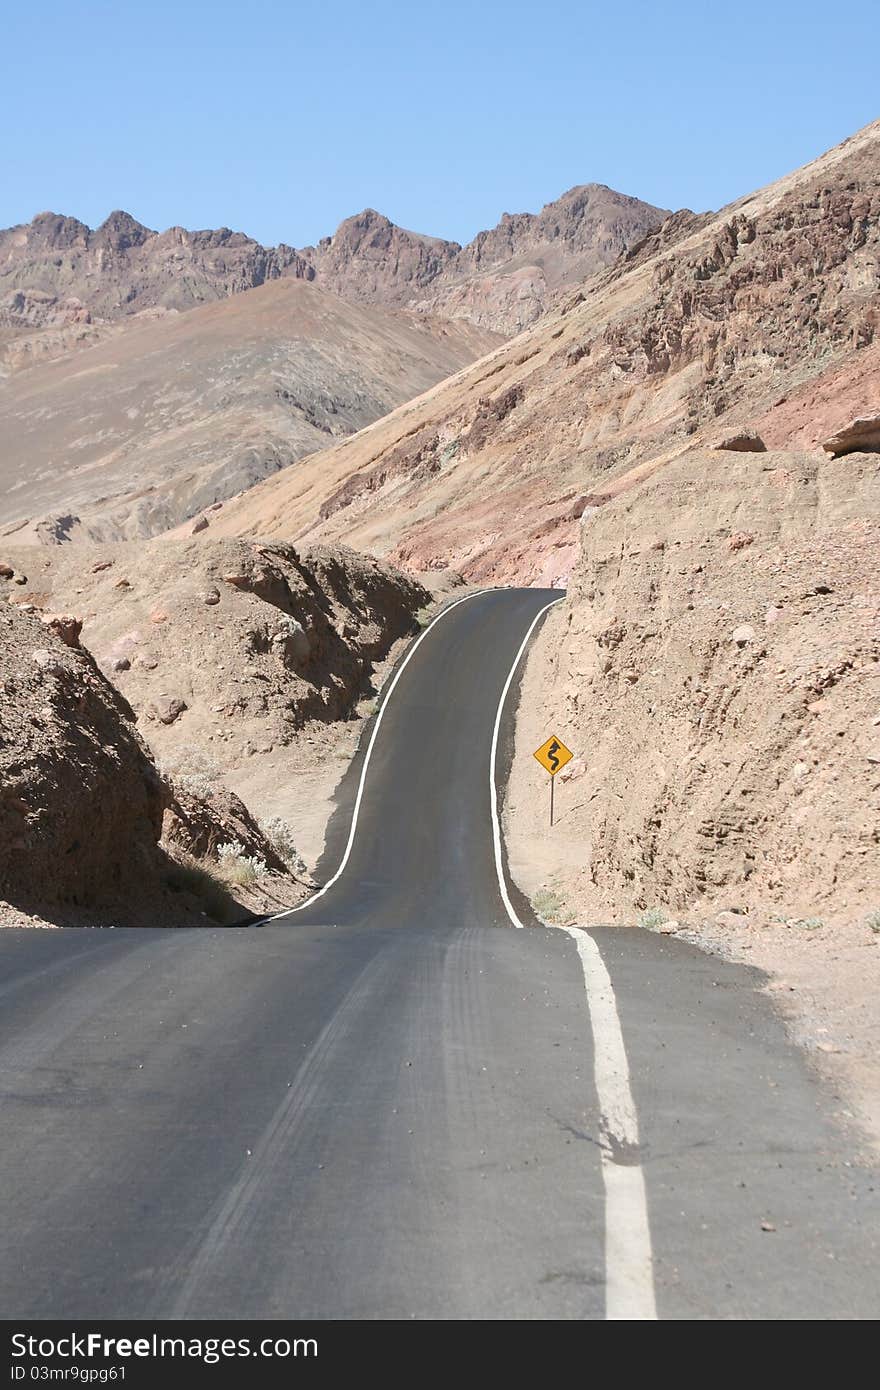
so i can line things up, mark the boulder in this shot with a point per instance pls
(860, 434)
(167, 708)
(744, 442)
(740, 539)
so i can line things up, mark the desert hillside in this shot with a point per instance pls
(140, 431)
(762, 317)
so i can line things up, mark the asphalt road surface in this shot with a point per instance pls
(394, 1104)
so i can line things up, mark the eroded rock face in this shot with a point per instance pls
(737, 765)
(81, 803)
(199, 825)
(67, 626)
(255, 641)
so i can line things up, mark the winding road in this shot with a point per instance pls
(392, 1103)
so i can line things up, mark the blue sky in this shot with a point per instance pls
(280, 119)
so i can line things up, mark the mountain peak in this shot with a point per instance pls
(57, 231)
(121, 231)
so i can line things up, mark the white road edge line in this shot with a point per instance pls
(360, 791)
(493, 758)
(629, 1265)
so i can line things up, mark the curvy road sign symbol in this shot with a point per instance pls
(553, 755)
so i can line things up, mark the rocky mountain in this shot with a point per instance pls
(59, 278)
(91, 833)
(762, 317)
(149, 426)
(505, 278)
(372, 261)
(56, 270)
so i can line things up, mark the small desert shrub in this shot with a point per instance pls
(240, 871)
(811, 923)
(652, 918)
(192, 772)
(198, 878)
(238, 867)
(549, 906)
(872, 921)
(280, 837)
(423, 617)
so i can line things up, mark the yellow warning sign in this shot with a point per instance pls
(553, 755)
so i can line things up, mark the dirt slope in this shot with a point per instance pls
(710, 325)
(135, 434)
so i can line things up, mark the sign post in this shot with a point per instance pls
(553, 755)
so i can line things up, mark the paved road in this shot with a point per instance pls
(386, 1105)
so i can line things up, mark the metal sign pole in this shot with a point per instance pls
(553, 755)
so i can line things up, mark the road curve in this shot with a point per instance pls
(385, 1104)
